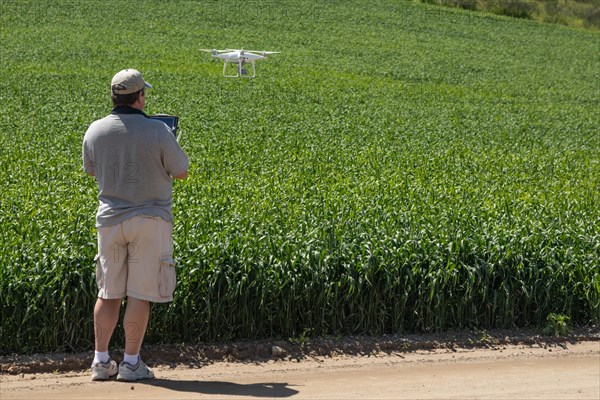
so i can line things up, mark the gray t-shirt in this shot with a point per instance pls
(134, 159)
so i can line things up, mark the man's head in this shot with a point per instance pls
(127, 87)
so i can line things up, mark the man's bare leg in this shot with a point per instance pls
(135, 323)
(106, 316)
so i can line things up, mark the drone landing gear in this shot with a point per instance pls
(241, 72)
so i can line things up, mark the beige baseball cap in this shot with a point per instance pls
(128, 81)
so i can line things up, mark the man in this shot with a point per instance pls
(134, 160)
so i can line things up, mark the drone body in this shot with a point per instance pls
(239, 57)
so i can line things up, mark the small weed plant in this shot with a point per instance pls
(557, 325)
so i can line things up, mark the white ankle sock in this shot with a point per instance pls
(101, 356)
(129, 359)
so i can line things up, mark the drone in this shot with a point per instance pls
(239, 57)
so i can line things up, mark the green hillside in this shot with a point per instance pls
(574, 13)
(399, 167)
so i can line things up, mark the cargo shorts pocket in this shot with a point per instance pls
(99, 272)
(166, 277)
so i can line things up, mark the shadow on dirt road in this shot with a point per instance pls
(269, 390)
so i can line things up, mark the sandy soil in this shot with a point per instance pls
(509, 371)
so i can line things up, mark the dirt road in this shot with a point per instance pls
(510, 372)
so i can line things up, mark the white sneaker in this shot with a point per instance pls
(102, 371)
(128, 372)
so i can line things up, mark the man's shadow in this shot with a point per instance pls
(225, 388)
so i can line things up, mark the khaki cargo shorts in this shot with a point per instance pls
(135, 258)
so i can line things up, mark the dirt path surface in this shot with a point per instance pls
(565, 371)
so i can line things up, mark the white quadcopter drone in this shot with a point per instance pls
(239, 57)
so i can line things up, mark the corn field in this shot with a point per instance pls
(398, 168)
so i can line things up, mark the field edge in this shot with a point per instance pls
(297, 350)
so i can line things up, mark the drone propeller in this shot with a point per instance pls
(214, 51)
(263, 52)
(242, 51)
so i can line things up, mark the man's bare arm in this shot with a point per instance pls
(182, 176)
